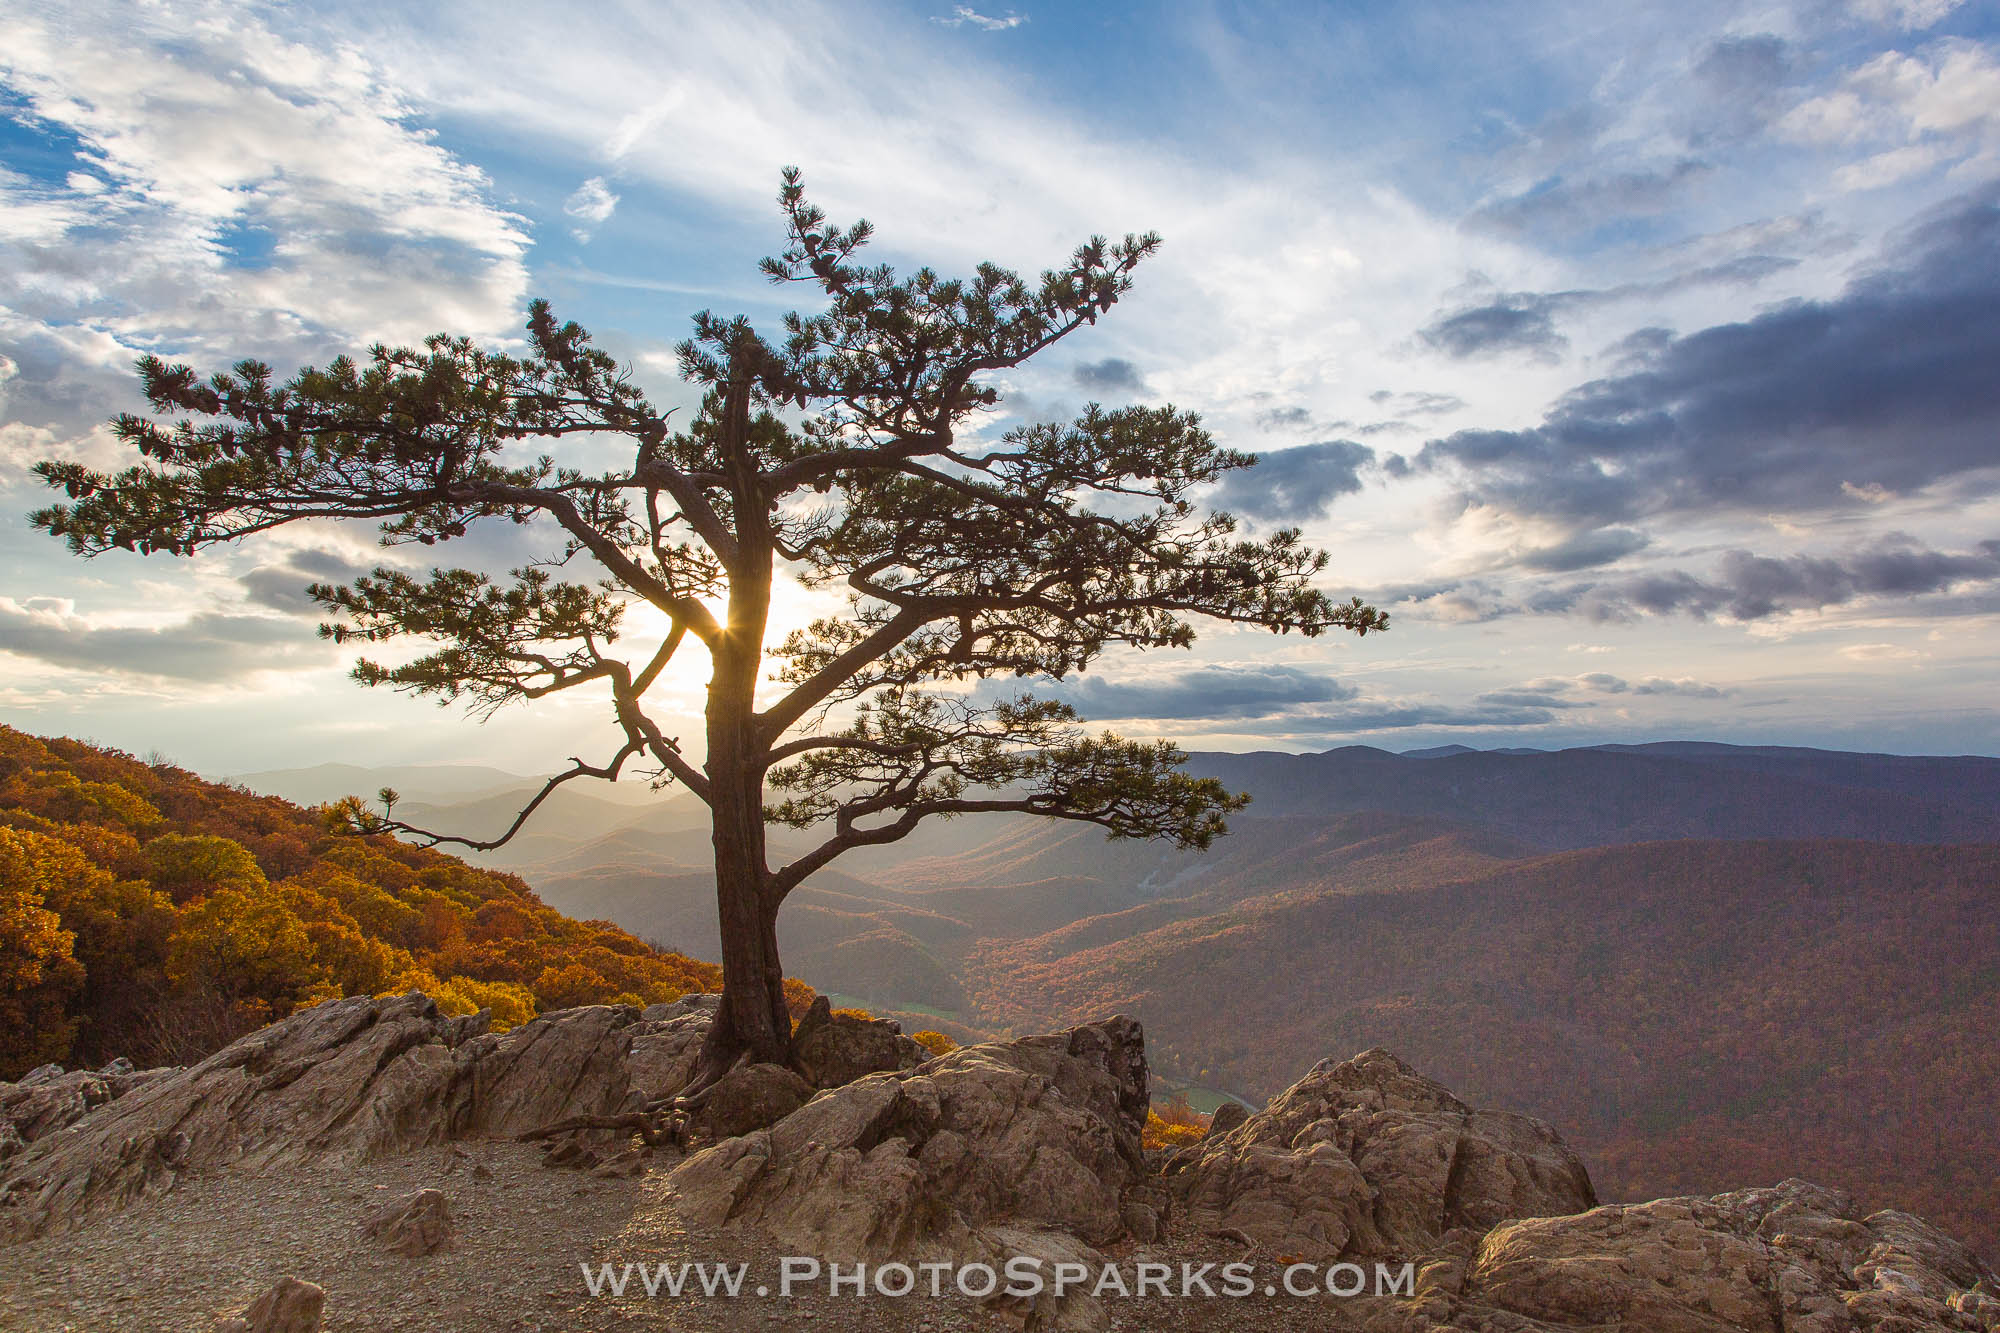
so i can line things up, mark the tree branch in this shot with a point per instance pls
(608, 772)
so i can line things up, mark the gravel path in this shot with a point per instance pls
(176, 1261)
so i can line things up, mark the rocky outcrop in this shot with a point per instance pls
(1794, 1258)
(49, 1098)
(830, 1050)
(1015, 1149)
(1019, 1148)
(1369, 1157)
(345, 1080)
(1037, 1133)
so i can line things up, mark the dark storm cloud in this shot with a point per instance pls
(1747, 586)
(1564, 206)
(1205, 692)
(1742, 586)
(210, 647)
(1284, 418)
(1584, 551)
(1510, 322)
(282, 587)
(1290, 485)
(1889, 387)
(1605, 683)
(1525, 321)
(1741, 80)
(1110, 373)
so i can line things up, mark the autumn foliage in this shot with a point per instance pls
(147, 913)
(1694, 1016)
(937, 1043)
(1172, 1123)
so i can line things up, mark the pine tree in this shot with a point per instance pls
(840, 455)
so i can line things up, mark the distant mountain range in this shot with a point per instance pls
(1632, 793)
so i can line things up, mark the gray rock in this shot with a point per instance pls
(1795, 1258)
(344, 1081)
(571, 1062)
(1041, 1133)
(1227, 1117)
(750, 1097)
(829, 1049)
(1369, 1157)
(664, 1051)
(48, 1098)
(697, 1003)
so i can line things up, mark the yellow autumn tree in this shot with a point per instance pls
(248, 948)
(39, 974)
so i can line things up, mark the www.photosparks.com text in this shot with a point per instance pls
(1021, 1276)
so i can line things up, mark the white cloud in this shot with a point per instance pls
(591, 203)
(1909, 14)
(1887, 168)
(208, 648)
(1939, 104)
(243, 192)
(962, 15)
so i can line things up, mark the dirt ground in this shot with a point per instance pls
(177, 1261)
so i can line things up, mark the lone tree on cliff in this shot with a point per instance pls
(837, 456)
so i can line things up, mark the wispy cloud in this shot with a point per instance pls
(964, 15)
(591, 204)
(211, 648)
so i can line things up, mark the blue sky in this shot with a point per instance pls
(1640, 359)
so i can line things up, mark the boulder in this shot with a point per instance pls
(1369, 1157)
(1794, 1258)
(290, 1307)
(1035, 1135)
(1227, 1117)
(414, 1225)
(829, 1049)
(750, 1097)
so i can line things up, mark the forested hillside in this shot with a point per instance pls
(1689, 1013)
(150, 914)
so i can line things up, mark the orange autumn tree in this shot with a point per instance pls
(147, 913)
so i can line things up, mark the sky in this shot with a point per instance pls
(1642, 361)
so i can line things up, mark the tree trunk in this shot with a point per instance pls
(753, 1019)
(753, 1022)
